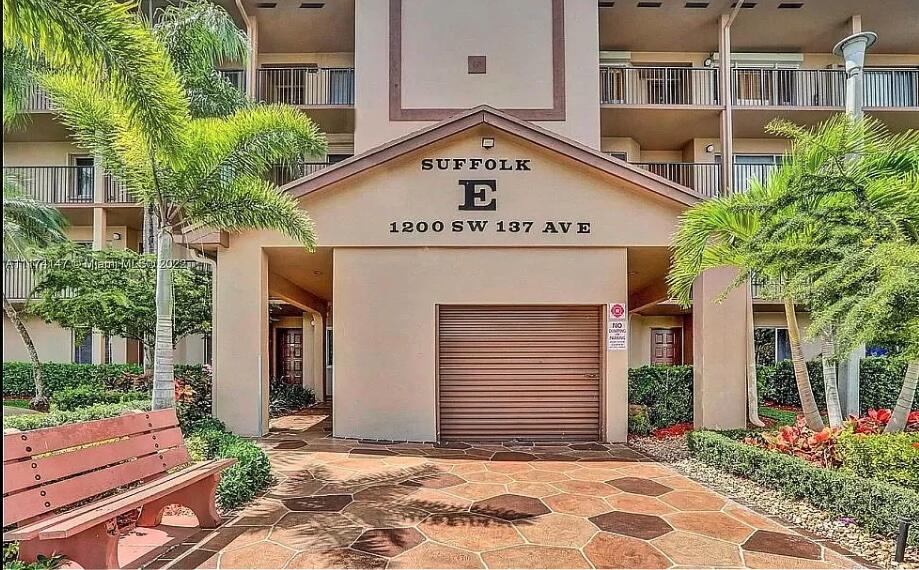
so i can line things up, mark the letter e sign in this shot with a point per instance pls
(475, 195)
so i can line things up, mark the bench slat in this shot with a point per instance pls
(18, 446)
(39, 500)
(22, 474)
(120, 504)
(75, 521)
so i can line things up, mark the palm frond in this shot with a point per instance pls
(28, 224)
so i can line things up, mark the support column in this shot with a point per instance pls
(848, 381)
(719, 352)
(100, 231)
(726, 95)
(240, 339)
(252, 64)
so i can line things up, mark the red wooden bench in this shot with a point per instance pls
(48, 470)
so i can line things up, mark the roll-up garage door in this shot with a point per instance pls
(519, 372)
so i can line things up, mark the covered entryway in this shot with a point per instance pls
(519, 372)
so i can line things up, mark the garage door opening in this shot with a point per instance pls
(527, 373)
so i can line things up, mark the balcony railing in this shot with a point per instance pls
(306, 86)
(37, 100)
(235, 76)
(658, 86)
(54, 184)
(704, 178)
(65, 185)
(745, 174)
(282, 175)
(18, 279)
(883, 88)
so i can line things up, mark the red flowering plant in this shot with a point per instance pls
(876, 420)
(676, 430)
(799, 441)
(183, 392)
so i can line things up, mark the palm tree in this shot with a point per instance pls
(213, 176)
(101, 40)
(720, 233)
(27, 225)
(843, 226)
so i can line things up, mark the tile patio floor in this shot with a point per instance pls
(356, 504)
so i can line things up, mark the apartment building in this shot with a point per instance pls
(495, 208)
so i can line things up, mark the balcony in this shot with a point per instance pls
(659, 86)
(66, 185)
(306, 86)
(705, 178)
(18, 279)
(823, 88)
(282, 175)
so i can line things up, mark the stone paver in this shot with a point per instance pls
(363, 504)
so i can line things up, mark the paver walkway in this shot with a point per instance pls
(359, 504)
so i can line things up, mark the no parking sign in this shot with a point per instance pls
(617, 326)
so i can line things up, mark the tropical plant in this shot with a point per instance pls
(27, 225)
(99, 41)
(212, 177)
(843, 230)
(112, 292)
(198, 36)
(719, 233)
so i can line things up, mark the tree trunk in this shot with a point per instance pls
(752, 388)
(163, 356)
(39, 402)
(904, 404)
(830, 382)
(802, 379)
(148, 355)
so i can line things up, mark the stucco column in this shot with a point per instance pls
(617, 361)
(100, 229)
(240, 340)
(719, 352)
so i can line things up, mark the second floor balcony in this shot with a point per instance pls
(306, 86)
(66, 185)
(705, 178)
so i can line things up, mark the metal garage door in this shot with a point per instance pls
(519, 372)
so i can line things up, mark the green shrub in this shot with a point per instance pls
(880, 382)
(70, 399)
(17, 377)
(28, 422)
(284, 398)
(886, 457)
(877, 505)
(638, 420)
(243, 480)
(665, 390)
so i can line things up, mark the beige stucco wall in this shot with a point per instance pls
(640, 336)
(52, 343)
(385, 357)
(40, 153)
(435, 72)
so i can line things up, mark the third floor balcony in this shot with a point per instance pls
(884, 88)
(67, 185)
(306, 86)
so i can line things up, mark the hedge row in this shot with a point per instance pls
(891, 457)
(666, 391)
(17, 377)
(28, 422)
(876, 505)
(880, 381)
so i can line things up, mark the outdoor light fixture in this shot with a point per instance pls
(709, 148)
(488, 142)
(116, 236)
(709, 61)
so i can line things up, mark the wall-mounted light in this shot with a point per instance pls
(709, 61)
(488, 142)
(710, 148)
(116, 236)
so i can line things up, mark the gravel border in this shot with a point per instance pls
(802, 517)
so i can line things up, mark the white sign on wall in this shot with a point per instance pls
(617, 326)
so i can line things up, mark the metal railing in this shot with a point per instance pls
(745, 174)
(658, 85)
(703, 178)
(54, 184)
(36, 100)
(890, 88)
(282, 175)
(115, 191)
(18, 279)
(306, 86)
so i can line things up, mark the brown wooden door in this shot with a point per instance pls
(666, 347)
(291, 362)
(519, 372)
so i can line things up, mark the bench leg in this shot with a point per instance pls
(199, 497)
(96, 547)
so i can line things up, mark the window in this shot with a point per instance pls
(771, 345)
(81, 189)
(208, 349)
(328, 346)
(82, 348)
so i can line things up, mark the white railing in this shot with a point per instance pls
(306, 86)
(658, 85)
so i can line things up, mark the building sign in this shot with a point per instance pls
(617, 327)
(479, 194)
